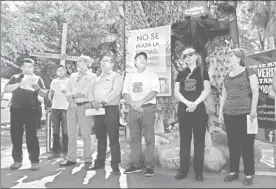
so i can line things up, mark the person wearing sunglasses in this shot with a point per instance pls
(25, 89)
(191, 90)
(240, 95)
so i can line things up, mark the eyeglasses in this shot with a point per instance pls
(188, 55)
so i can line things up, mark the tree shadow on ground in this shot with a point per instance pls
(50, 175)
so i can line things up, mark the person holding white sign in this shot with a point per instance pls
(79, 101)
(59, 112)
(140, 90)
(239, 100)
(24, 109)
(106, 93)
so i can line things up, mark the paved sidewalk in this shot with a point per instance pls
(51, 176)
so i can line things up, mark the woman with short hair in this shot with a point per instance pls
(239, 98)
(191, 88)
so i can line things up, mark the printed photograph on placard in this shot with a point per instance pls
(165, 84)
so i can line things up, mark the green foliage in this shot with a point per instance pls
(37, 26)
(257, 22)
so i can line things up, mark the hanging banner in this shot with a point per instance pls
(156, 42)
(264, 65)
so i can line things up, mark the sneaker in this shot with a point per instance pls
(133, 169)
(149, 173)
(16, 165)
(35, 166)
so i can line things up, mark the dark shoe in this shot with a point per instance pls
(133, 169)
(115, 171)
(87, 165)
(53, 156)
(248, 181)
(34, 167)
(230, 178)
(199, 178)
(67, 163)
(149, 172)
(15, 165)
(96, 166)
(180, 176)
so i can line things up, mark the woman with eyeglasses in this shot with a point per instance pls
(191, 88)
(239, 98)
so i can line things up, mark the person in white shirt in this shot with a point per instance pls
(140, 90)
(59, 112)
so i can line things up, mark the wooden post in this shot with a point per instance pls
(61, 56)
(63, 44)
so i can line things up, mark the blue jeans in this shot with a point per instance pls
(59, 118)
(142, 124)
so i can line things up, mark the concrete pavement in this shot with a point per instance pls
(51, 176)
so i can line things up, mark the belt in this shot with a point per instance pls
(82, 103)
(147, 105)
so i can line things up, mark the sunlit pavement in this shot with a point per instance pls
(51, 176)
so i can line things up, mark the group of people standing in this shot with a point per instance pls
(84, 90)
(239, 99)
(71, 97)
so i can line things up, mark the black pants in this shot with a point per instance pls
(59, 118)
(108, 124)
(19, 118)
(240, 143)
(192, 123)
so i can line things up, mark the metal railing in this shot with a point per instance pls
(48, 131)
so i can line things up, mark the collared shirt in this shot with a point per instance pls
(108, 88)
(59, 99)
(80, 84)
(139, 85)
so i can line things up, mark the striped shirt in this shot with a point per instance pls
(80, 84)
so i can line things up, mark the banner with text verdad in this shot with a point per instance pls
(264, 65)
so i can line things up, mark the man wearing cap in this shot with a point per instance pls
(106, 92)
(78, 97)
(25, 89)
(140, 90)
(59, 112)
